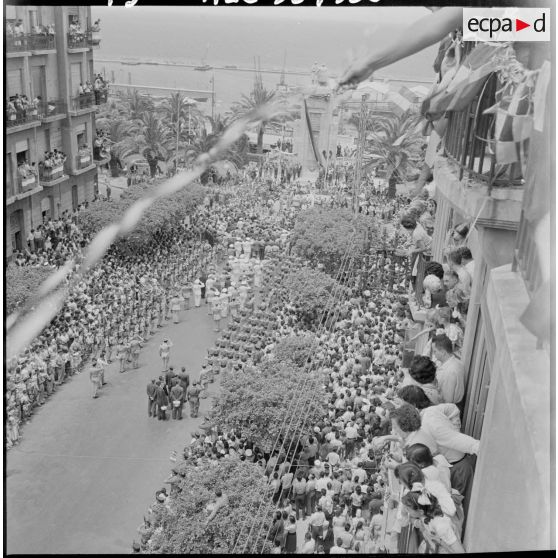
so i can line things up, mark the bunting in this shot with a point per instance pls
(467, 81)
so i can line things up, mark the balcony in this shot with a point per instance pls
(17, 45)
(83, 163)
(54, 109)
(16, 121)
(468, 143)
(41, 42)
(83, 103)
(94, 38)
(52, 176)
(77, 41)
(27, 186)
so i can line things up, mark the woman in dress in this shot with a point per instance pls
(290, 535)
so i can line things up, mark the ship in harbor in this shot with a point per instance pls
(204, 67)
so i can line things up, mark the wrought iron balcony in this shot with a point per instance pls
(19, 118)
(41, 42)
(85, 101)
(16, 43)
(469, 145)
(52, 107)
(77, 40)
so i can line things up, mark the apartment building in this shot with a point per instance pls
(506, 346)
(46, 59)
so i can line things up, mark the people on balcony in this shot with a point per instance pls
(437, 529)
(450, 372)
(101, 146)
(25, 170)
(443, 424)
(456, 264)
(422, 372)
(437, 290)
(52, 160)
(457, 236)
(467, 260)
(11, 111)
(434, 467)
(420, 242)
(84, 152)
(100, 89)
(96, 27)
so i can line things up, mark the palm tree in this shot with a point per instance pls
(147, 137)
(394, 141)
(259, 96)
(182, 116)
(138, 104)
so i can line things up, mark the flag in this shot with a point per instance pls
(468, 80)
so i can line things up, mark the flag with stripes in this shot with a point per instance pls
(466, 83)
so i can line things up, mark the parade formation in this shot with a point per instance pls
(314, 321)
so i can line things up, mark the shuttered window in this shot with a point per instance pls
(15, 82)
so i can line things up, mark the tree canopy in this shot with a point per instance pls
(163, 213)
(325, 236)
(183, 529)
(256, 400)
(22, 283)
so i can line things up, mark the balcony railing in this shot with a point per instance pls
(41, 42)
(18, 118)
(468, 141)
(87, 100)
(53, 107)
(77, 40)
(93, 38)
(83, 161)
(51, 174)
(16, 44)
(26, 184)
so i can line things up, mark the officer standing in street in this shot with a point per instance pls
(194, 398)
(176, 397)
(151, 399)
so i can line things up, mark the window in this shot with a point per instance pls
(14, 82)
(33, 19)
(9, 174)
(82, 135)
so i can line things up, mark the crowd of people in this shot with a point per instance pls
(387, 462)
(388, 465)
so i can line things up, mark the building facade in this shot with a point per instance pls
(46, 60)
(506, 358)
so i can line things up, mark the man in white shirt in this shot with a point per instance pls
(467, 260)
(450, 374)
(338, 548)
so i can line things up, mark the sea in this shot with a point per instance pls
(131, 37)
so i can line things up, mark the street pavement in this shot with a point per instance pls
(86, 470)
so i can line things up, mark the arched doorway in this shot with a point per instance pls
(16, 229)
